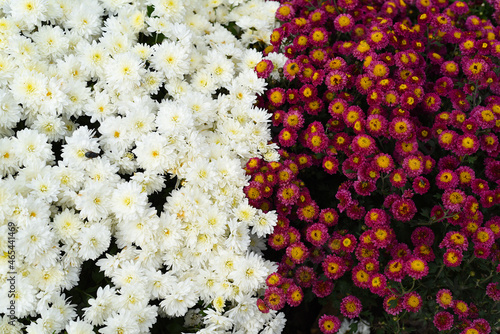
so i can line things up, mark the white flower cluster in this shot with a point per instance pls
(182, 107)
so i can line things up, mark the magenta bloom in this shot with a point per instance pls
(443, 321)
(412, 302)
(336, 80)
(350, 307)
(275, 298)
(329, 324)
(403, 209)
(416, 267)
(493, 291)
(322, 288)
(422, 235)
(317, 234)
(334, 267)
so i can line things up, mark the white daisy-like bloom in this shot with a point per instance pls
(45, 187)
(264, 223)
(10, 110)
(159, 283)
(68, 177)
(79, 327)
(145, 317)
(24, 296)
(50, 41)
(139, 121)
(249, 273)
(151, 82)
(100, 107)
(8, 158)
(115, 134)
(173, 10)
(128, 202)
(28, 87)
(92, 201)
(153, 152)
(182, 297)
(132, 297)
(28, 13)
(34, 239)
(216, 321)
(121, 322)
(10, 326)
(170, 58)
(92, 57)
(102, 170)
(52, 126)
(124, 71)
(67, 225)
(93, 240)
(48, 278)
(85, 19)
(221, 68)
(100, 307)
(204, 82)
(173, 118)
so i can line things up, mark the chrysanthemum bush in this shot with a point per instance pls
(387, 114)
(125, 127)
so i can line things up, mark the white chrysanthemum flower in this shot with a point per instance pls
(170, 58)
(153, 152)
(151, 82)
(115, 134)
(150, 182)
(264, 223)
(92, 57)
(10, 326)
(221, 68)
(92, 201)
(101, 170)
(204, 82)
(250, 273)
(100, 307)
(24, 296)
(78, 96)
(34, 239)
(173, 118)
(48, 278)
(67, 225)
(81, 141)
(51, 126)
(85, 19)
(79, 327)
(173, 10)
(122, 322)
(68, 177)
(44, 186)
(139, 122)
(128, 202)
(132, 297)
(8, 157)
(145, 317)
(50, 41)
(93, 240)
(180, 298)
(28, 87)
(10, 110)
(123, 72)
(29, 13)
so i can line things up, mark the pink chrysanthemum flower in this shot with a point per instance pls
(467, 144)
(412, 302)
(403, 209)
(317, 234)
(460, 308)
(484, 237)
(401, 128)
(344, 23)
(336, 80)
(444, 298)
(297, 252)
(416, 267)
(376, 217)
(348, 243)
(305, 276)
(422, 235)
(452, 257)
(453, 199)
(456, 240)
(413, 165)
(329, 217)
(443, 321)
(350, 307)
(449, 69)
(329, 324)
(393, 304)
(395, 270)
(322, 288)
(475, 68)
(493, 291)
(293, 119)
(330, 164)
(334, 267)
(447, 179)
(378, 284)
(276, 96)
(294, 295)
(275, 298)
(421, 185)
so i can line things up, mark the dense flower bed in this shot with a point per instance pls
(387, 114)
(125, 127)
